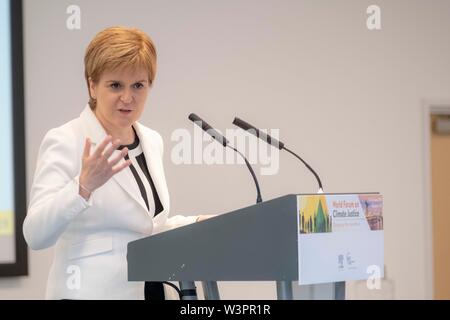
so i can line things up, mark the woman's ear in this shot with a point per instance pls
(92, 88)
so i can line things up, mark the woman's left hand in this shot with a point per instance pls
(204, 217)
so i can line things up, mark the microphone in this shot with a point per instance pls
(260, 134)
(208, 129)
(274, 142)
(223, 141)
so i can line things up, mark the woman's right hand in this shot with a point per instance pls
(97, 169)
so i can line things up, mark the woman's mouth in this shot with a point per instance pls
(125, 111)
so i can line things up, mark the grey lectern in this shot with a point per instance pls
(256, 243)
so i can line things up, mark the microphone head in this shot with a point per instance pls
(193, 117)
(258, 133)
(242, 124)
(208, 129)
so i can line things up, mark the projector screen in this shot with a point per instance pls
(7, 246)
(12, 170)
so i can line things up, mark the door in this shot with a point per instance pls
(440, 184)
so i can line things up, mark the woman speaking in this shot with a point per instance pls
(99, 181)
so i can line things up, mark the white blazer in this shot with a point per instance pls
(91, 237)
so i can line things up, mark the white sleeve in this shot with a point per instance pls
(175, 221)
(54, 199)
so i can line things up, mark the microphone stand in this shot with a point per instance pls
(258, 191)
(308, 166)
(224, 142)
(274, 142)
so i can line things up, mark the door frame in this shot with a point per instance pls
(430, 108)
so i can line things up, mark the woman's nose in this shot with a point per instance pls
(126, 96)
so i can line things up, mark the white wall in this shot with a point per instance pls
(346, 98)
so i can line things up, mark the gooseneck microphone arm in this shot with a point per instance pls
(224, 142)
(307, 165)
(258, 190)
(274, 142)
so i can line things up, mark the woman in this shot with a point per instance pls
(99, 181)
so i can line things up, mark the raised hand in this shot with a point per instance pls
(97, 168)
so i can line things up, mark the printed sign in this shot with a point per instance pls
(340, 237)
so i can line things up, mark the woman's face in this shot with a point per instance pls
(121, 97)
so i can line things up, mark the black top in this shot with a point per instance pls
(139, 169)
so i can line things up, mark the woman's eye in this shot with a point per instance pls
(138, 85)
(115, 85)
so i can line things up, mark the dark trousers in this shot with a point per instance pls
(154, 291)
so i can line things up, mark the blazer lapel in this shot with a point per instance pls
(126, 180)
(94, 130)
(154, 164)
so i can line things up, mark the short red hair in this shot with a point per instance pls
(115, 48)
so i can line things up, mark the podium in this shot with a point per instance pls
(255, 243)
